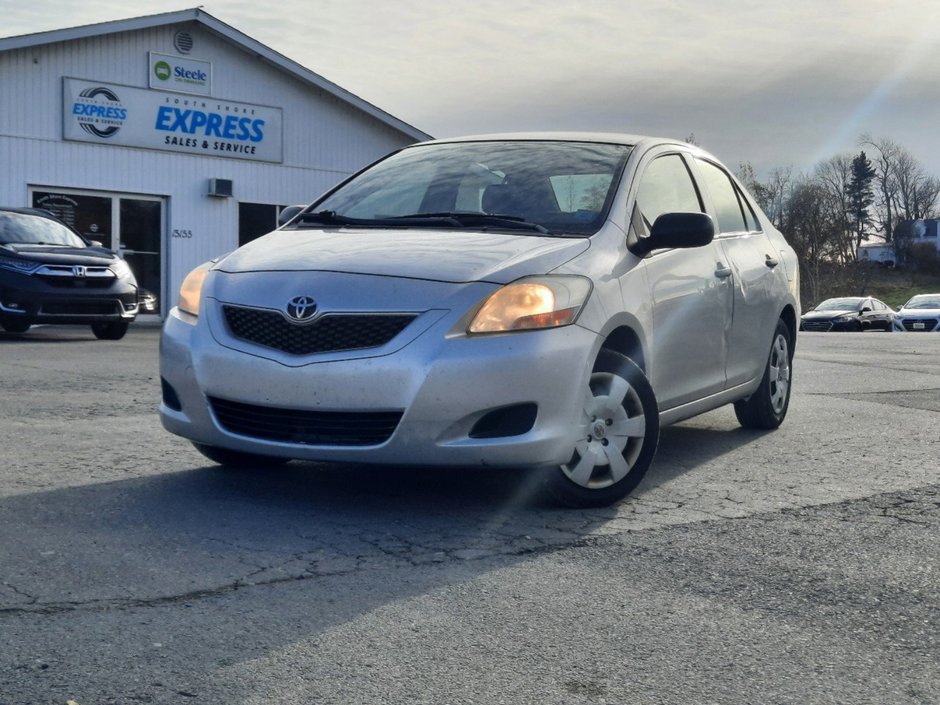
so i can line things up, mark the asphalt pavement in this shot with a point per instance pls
(796, 566)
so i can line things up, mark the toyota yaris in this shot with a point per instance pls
(535, 300)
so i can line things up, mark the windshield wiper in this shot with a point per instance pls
(470, 219)
(328, 218)
(427, 220)
(334, 218)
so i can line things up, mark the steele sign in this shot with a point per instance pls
(173, 73)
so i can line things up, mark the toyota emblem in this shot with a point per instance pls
(301, 308)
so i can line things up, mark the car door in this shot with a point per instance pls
(689, 289)
(755, 279)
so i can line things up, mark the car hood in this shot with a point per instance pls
(50, 254)
(826, 315)
(919, 312)
(436, 255)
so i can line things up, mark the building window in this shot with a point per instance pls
(255, 220)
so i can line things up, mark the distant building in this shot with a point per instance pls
(908, 234)
(173, 138)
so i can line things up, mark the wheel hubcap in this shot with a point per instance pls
(612, 428)
(779, 374)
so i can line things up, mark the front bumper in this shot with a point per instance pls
(444, 385)
(33, 299)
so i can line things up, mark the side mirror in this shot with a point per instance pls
(286, 215)
(866, 310)
(684, 230)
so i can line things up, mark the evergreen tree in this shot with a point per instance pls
(861, 195)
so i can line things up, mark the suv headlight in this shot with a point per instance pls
(532, 303)
(19, 265)
(121, 269)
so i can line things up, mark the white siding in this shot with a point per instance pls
(324, 138)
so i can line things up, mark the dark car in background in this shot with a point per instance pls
(920, 315)
(849, 313)
(51, 274)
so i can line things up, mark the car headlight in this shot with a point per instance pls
(843, 319)
(19, 265)
(121, 269)
(532, 303)
(191, 290)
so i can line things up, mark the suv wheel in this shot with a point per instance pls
(14, 325)
(113, 330)
(616, 436)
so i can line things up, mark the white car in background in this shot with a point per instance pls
(543, 300)
(919, 315)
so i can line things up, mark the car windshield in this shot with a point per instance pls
(923, 302)
(25, 229)
(535, 187)
(848, 304)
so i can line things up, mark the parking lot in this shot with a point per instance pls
(797, 566)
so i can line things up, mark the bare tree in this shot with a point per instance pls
(886, 187)
(814, 228)
(834, 176)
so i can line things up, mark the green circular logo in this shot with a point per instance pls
(161, 70)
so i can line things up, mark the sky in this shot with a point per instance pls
(782, 84)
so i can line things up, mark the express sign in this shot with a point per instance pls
(136, 117)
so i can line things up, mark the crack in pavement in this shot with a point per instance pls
(399, 552)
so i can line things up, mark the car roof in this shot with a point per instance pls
(561, 136)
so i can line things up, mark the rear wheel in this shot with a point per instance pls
(236, 458)
(767, 407)
(616, 434)
(14, 325)
(113, 330)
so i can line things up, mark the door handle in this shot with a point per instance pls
(722, 271)
(771, 262)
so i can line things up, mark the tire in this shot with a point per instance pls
(13, 325)
(767, 407)
(615, 437)
(113, 330)
(236, 458)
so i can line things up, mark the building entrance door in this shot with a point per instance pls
(130, 225)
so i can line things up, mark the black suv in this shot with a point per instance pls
(51, 274)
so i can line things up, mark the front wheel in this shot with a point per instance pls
(767, 407)
(113, 330)
(14, 325)
(615, 436)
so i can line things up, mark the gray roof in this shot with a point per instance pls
(228, 32)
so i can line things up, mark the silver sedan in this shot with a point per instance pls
(544, 300)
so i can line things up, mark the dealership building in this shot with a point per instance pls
(173, 138)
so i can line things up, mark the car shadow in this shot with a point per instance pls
(296, 551)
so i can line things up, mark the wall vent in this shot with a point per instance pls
(183, 41)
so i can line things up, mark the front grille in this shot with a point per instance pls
(817, 326)
(78, 282)
(926, 325)
(108, 307)
(329, 333)
(314, 428)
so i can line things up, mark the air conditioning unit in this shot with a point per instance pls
(221, 188)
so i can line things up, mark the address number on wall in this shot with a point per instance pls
(186, 234)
